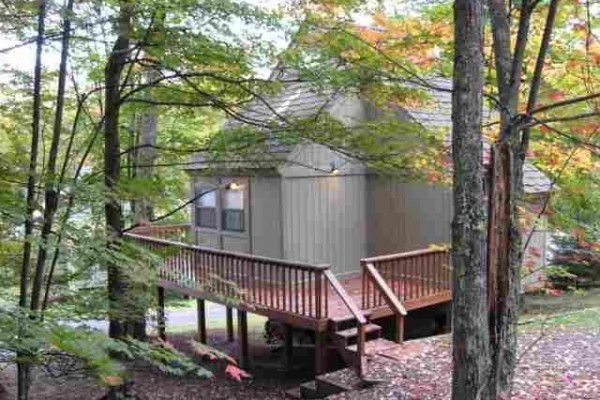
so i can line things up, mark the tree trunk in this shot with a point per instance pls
(51, 186)
(23, 369)
(117, 279)
(505, 246)
(145, 155)
(470, 341)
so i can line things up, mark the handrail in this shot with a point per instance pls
(356, 312)
(395, 256)
(393, 301)
(249, 257)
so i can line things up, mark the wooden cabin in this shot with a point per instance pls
(311, 238)
(312, 204)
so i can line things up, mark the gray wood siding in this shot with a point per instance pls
(324, 220)
(265, 214)
(407, 216)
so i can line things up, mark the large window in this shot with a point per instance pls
(221, 205)
(206, 206)
(232, 210)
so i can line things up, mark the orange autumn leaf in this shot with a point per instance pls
(236, 373)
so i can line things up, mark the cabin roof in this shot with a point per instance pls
(301, 100)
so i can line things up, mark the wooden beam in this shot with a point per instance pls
(399, 331)
(320, 353)
(229, 324)
(243, 335)
(288, 346)
(201, 320)
(160, 313)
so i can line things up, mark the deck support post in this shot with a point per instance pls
(399, 331)
(288, 346)
(320, 352)
(160, 313)
(243, 335)
(229, 313)
(201, 320)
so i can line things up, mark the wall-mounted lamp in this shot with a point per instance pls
(234, 186)
(335, 169)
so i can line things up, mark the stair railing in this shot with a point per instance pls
(356, 312)
(390, 298)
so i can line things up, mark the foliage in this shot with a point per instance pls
(574, 213)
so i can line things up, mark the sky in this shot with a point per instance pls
(22, 58)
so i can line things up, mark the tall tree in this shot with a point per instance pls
(469, 353)
(117, 280)
(23, 369)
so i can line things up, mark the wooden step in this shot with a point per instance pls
(293, 394)
(339, 381)
(372, 347)
(353, 332)
(308, 390)
(348, 321)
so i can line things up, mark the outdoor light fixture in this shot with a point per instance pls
(234, 186)
(334, 169)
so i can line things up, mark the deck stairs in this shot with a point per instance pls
(344, 337)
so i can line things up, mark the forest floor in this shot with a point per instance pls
(559, 356)
(559, 359)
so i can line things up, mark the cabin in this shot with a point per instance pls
(314, 239)
(312, 204)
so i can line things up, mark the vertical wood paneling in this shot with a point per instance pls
(325, 220)
(407, 216)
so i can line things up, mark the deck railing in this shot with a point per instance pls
(410, 276)
(229, 277)
(173, 232)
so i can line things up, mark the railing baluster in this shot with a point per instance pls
(318, 296)
(296, 290)
(310, 293)
(303, 278)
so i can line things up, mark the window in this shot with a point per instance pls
(206, 206)
(232, 212)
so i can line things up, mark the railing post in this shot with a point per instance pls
(399, 331)
(160, 313)
(243, 335)
(201, 315)
(360, 347)
(320, 352)
(229, 316)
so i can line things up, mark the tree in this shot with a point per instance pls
(469, 351)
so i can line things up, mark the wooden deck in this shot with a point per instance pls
(301, 295)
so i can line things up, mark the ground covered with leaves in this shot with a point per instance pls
(559, 357)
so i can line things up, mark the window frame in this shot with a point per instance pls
(220, 187)
(205, 187)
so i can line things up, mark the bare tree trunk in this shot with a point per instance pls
(145, 154)
(117, 279)
(23, 369)
(505, 246)
(469, 316)
(51, 186)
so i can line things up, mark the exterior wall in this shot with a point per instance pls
(406, 216)
(324, 220)
(535, 257)
(265, 214)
